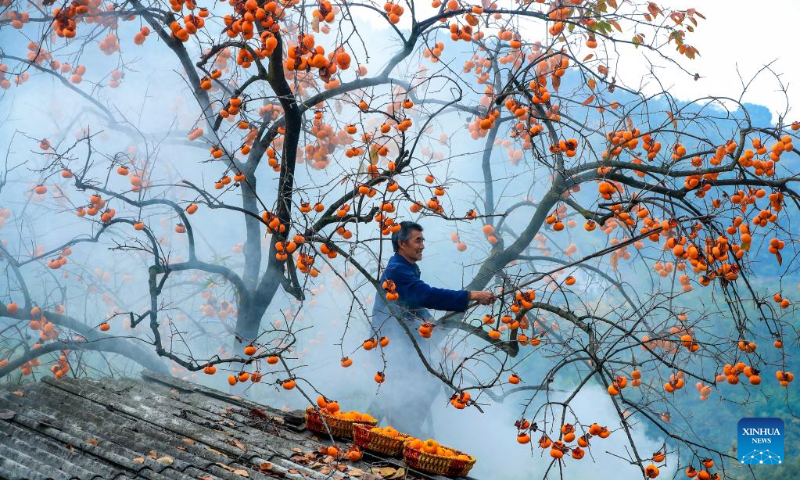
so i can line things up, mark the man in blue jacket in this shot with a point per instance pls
(409, 390)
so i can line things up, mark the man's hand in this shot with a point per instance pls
(483, 297)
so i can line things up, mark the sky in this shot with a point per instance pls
(738, 37)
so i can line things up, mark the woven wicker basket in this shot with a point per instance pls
(437, 464)
(366, 438)
(339, 427)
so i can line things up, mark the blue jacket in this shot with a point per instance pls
(416, 296)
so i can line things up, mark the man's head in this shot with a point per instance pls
(408, 241)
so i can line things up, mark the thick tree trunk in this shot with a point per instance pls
(249, 322)
(252, 244)
(248, 325)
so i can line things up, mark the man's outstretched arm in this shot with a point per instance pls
(417, 293)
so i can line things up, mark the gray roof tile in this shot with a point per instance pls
(155, 427)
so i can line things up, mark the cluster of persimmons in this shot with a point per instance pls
(561, 446)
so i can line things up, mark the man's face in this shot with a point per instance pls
(412, 249)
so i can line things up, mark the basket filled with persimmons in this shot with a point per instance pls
(430, 457)
(339, 423)
(386, 441)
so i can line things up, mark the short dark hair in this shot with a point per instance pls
(404, 233)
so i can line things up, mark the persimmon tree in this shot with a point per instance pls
(297, 132)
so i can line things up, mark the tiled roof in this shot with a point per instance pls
(157, 427)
